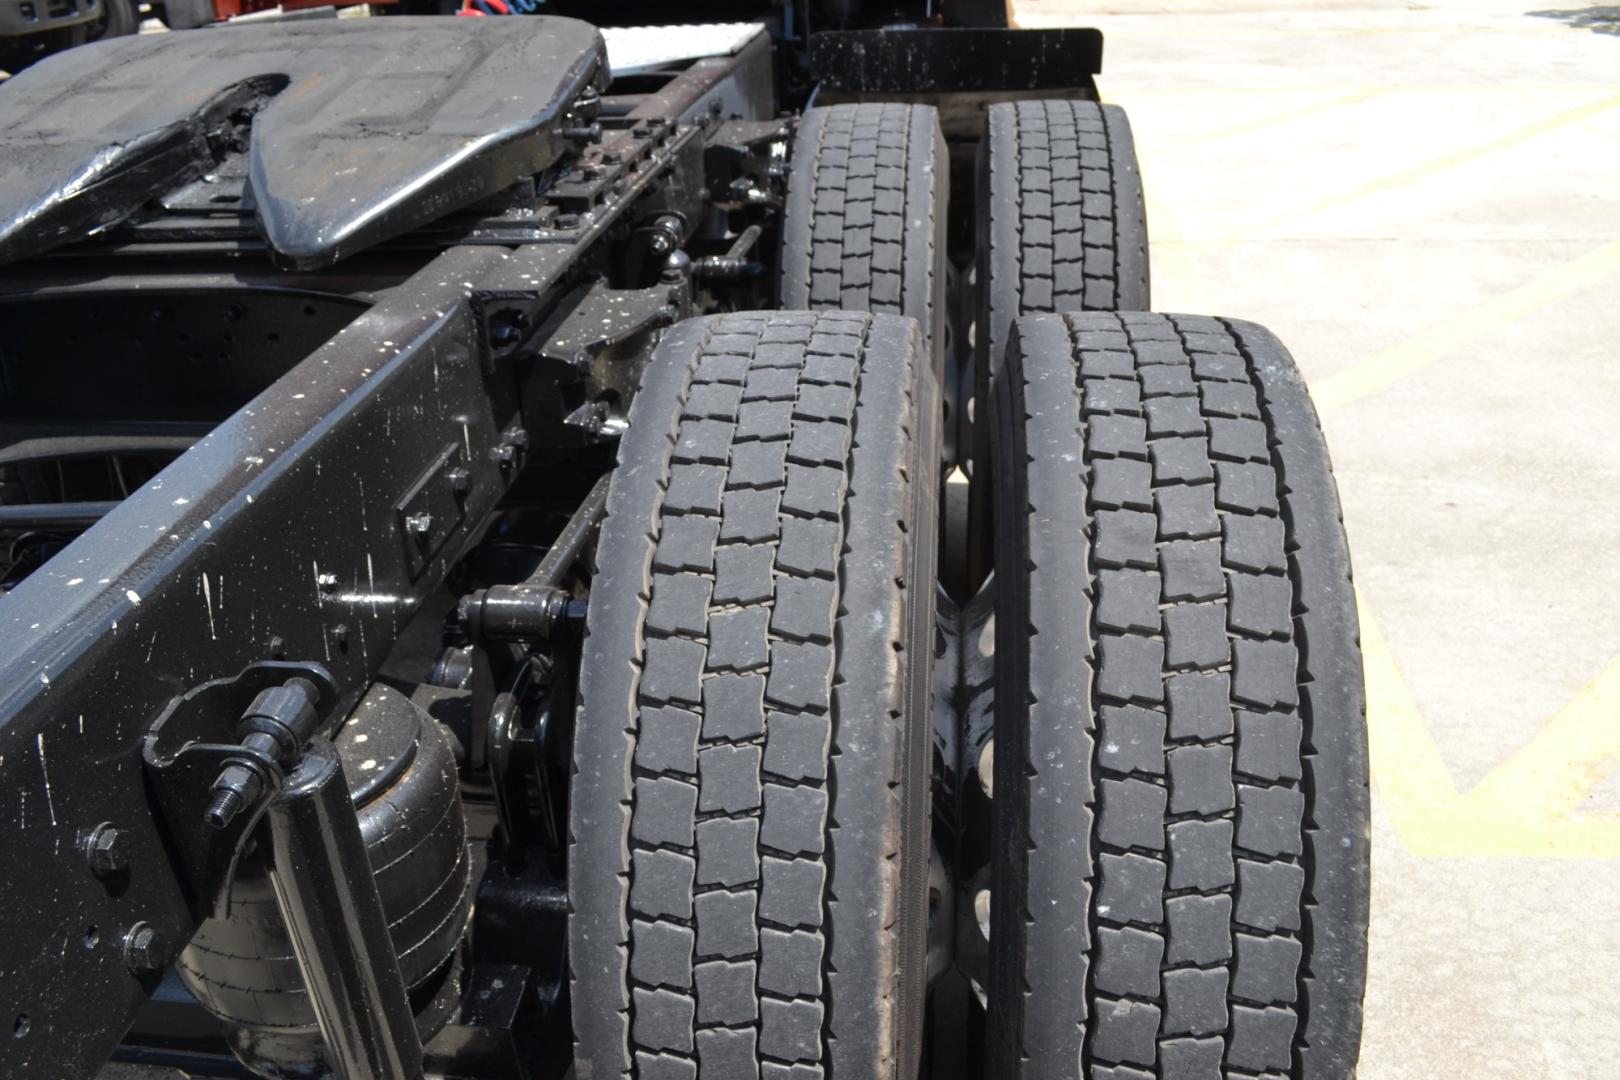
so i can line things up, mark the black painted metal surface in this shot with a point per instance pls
(312, 525)
(954, 60)
(279, 532)
(359, 131)
(330, 519)
(334, 915)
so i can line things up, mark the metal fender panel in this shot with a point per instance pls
(361, 130)
(959, 60)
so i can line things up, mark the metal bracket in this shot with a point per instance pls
(188, 746)
(605, 317)
(432, 509)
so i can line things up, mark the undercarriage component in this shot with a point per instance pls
(1180, 762)
(31, 32)
(445, 619)
(749, 867)
(334, 917)
(353, 433)
(243, 966)
(304, 89)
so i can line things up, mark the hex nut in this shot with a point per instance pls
(145, 949)
(106, 849)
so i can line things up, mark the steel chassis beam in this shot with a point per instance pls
(308, 526)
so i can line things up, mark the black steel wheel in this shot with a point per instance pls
(1181, 809)
(749, 821)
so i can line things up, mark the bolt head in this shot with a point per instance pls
(145, 948)
(107, 850)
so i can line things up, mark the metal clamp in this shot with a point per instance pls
(219, 754)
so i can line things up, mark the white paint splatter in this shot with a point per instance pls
(50, 801)
(208, 602)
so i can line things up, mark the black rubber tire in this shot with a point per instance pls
(118, 19)
(749, 822)
(1062, 226)
(864, 225)
(1181, 807)
(1061, 218)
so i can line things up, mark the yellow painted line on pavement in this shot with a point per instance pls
(1425, 169)
(1287, 116)
(1450, 336)
(1525, 807)
(1558, 768)
(1406, 762)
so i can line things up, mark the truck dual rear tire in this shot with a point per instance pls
(864, 226)
(118, 19)
(1062, 226)
(1181, 808)
(1180, 798)
(749, 857)
(1062, 219)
